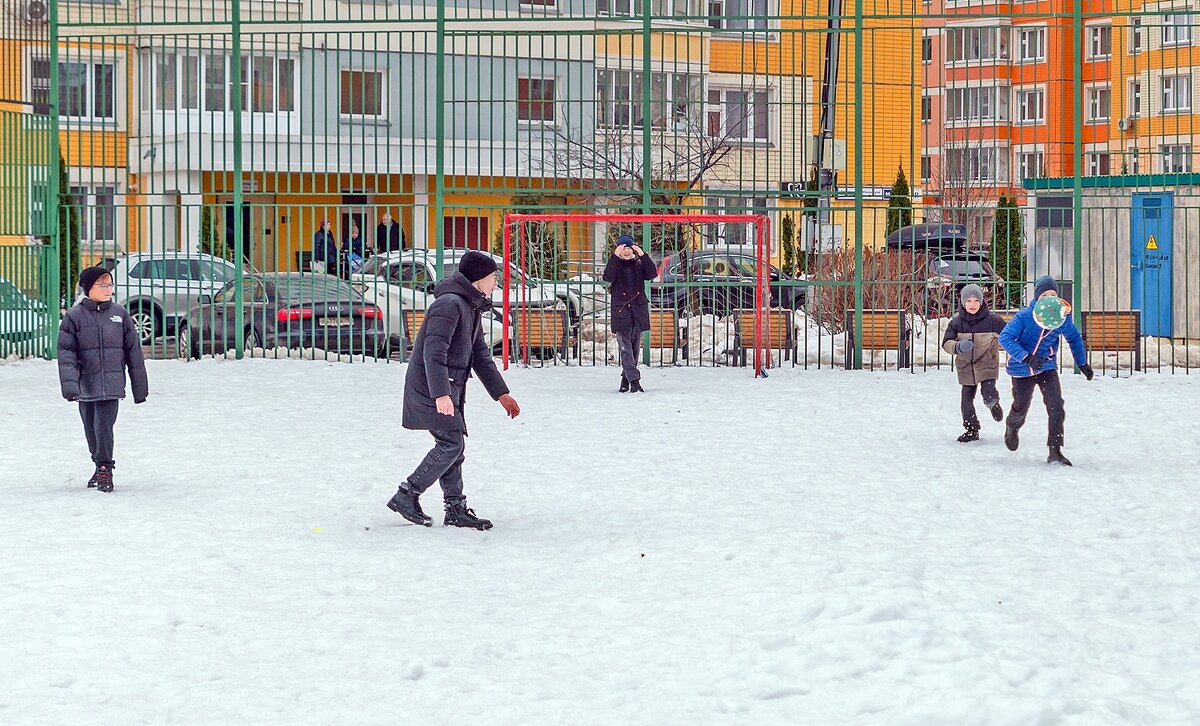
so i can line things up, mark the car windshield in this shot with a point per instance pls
(377, 265)
(218, 272)
(959, 268)
(317, 288)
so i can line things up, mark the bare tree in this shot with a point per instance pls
(968, 176)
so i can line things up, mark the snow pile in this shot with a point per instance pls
(810, 548)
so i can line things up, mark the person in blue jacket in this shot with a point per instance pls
(325, 248)
(1033, 362)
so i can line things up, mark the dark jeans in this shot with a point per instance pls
(1051, 396)
(630, 344)
(98, 419)
(990, 396)
(443, 462)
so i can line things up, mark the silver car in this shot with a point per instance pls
(158, 288)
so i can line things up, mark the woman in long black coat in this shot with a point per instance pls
(627, 272)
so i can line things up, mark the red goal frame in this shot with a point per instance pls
(762, 281)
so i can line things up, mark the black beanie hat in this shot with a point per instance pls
(1045, 283)
(475, 266)
(88, 277)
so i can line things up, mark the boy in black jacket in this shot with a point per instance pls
(97, 343)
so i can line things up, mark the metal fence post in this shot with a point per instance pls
(239, 242)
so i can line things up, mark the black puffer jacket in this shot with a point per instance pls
(626, 279)
(96, 343)
(448, 348)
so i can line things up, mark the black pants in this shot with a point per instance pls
(98, 419)
(990, 396)
(443, 462)
(1051, 396)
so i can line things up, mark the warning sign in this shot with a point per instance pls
(1152, 244)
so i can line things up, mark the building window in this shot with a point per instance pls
(1177, 30)
(670, 8)
(1134, 161)
(191, 82)
(1099, 41)
(976, 104)
(926, 168)
(926, 109)
(975, 165)
(548, 4)
(1135, 98)
(1031, 164)
(215, 82)
(1098, 103)
(1177, 158)
(675, 100)
(97, 210)
(734, 14)
(1031, 45)
(361, 94)
(1176, 94)
(738, 115)
(1031, 105)
(733, 234)
(927, 49)
(87, 90)
(976, 44)
(535, 100)
(1136, 36)
(1099, 164)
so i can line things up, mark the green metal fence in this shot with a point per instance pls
(1042, 142)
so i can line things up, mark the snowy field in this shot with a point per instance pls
(814, 548)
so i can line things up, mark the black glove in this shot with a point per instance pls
(964, 346)
(1035, 362)
(1087, 371)
(139, 400)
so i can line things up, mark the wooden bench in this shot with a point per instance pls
(665, 333)
(412, 325)
(881, 330)
(778, 332)
(1007, 315)
(1113, 331)
(541, 329)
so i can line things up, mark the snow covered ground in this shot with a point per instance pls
(814, 548)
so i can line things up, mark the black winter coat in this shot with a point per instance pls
(387, 238)
(627, 294)
(96, 343)
(448, 348)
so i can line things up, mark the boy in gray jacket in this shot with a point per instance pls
(97, 343)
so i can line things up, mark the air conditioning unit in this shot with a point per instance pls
(1125, 124)
(36, 11)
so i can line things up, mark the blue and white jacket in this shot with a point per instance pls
(1021, 334)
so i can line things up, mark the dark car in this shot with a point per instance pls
(718, 282)
(950, 266)
(285, 310)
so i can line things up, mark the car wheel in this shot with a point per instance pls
(185, 347)
(145, 322)
(252, 341)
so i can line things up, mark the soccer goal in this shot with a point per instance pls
(715, 266)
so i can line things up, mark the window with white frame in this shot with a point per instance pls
(1136, 35)
(1177, 30)
(87, 89)
(1031, 105)
(1176, 93)
(668, 8)
(1030, 164)
(1134, 98)
(195, 81)
(546, 4)
(1031, 45)
(536, 100)
(926, 168)
(1098, 104)
(96, 205)
(732, 234)
(738, 115)
(1099, 41)
(976, 44)
(1134, 157)
(977, 103)
(736, 14)
(926, 109)
(986, 164)
(1099, 163)
(675, 99)
(926, 49)
(1176, 158)
(361, 94)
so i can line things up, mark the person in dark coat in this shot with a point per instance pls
(1033, 363)
(626, 273)
(325, 248)
(97, 344)
(448, 348)
(388, 235)
(973, 338)
(353, 251)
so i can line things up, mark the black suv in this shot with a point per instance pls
(718, 282)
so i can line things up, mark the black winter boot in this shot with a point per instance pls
(408, 505)
(996, 409)
(457, 515)
(971, 434)
(624, 384)
(636, 387)
(1011, 439)
(1056, 457)
(92, 481)
(104, 479)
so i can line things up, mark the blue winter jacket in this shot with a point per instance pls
(1021, 334)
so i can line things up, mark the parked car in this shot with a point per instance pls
(720, 281)
(24, 323)
(158, 288)
(950, 265)
(285, 310)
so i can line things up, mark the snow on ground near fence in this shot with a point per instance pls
(812, 548)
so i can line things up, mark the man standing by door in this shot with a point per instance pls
(627, 271)
(388, 236)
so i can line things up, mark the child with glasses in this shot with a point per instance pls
(97, 344)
